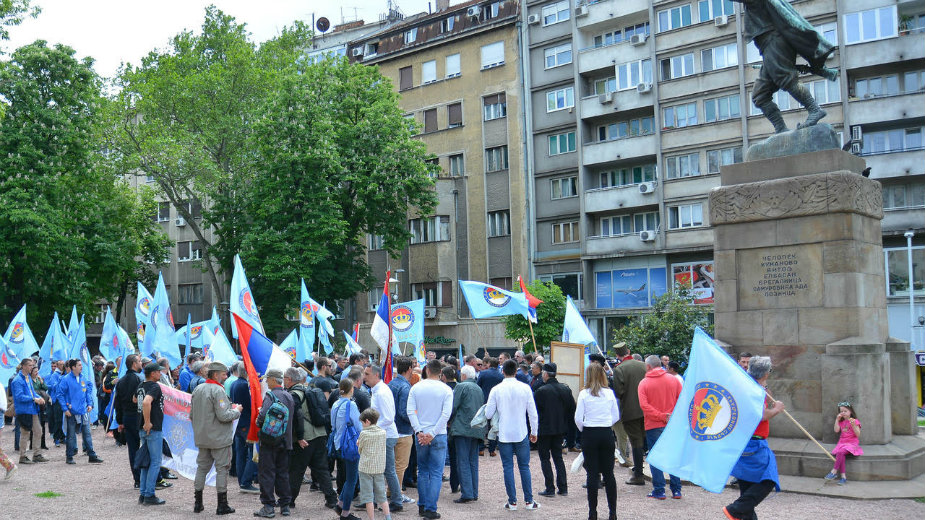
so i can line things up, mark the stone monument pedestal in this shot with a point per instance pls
(800, 278)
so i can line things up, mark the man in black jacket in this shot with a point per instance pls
(127, 409)
(555, 406)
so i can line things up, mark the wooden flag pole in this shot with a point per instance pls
(530, 323)
(800, 426)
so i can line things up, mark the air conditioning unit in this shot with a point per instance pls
(721, 21)
(357, 52)
(639, 39)
(647, 236)
(605, 98)
(642, 88)
(473, 11)
(647, 187)
(857, 140)
(581, 10)
(533, 19)
(180, 222)
(430, 312)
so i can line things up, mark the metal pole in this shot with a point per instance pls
(909, 234)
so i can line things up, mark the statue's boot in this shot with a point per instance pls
(772, 113)
(803, 96)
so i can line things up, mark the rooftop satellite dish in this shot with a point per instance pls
(323, 24)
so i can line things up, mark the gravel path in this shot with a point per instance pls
(101, 491)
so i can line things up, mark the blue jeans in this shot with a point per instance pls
(391, 477)
(245, 467)
(522, 450)
(467, 460)
(352, 475)
(431, 460)
(152, 441)
(658, 478)
(72, 427)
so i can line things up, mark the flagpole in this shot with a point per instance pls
(530, 323)
(479, 330)
(821, 447)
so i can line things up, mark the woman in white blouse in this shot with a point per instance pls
(595, 414)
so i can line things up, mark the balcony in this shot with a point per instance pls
(618, 197)
(597, 58)
(621, 101)
(901, 220)
(687, 239)
(602, 13)
(693, 186)
(881, 52)
(896, 164)
(701, 32)
(599, 247)
(887, 108)
(609, 151)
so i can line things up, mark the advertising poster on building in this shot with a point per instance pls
(630, 288)
(696, 276)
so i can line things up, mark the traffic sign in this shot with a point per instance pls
(920, 359)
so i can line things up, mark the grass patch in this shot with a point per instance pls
(48, 494)
(920, 500)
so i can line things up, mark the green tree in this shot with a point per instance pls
(13, 12)
(669, 328)
(335, 160)
(550, 316)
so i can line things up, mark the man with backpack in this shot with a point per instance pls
(276, 420)
(310, 450)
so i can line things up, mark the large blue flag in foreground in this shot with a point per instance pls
(717, 412)
(486, 301)
(575, 330)
(19, 336)
(242, 300)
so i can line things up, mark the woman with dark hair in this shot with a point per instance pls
(595, 414)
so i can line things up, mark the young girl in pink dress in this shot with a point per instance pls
(847, 423)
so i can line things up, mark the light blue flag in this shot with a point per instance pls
(191, 329)
(8, 361)
(325, 342)
(575, 330)
(109, 339)
(460, 355)
(72, 325)
(324, 317)
(289, 344)
(196, 337)
(218, 348)
(80, 351)
(19, 336)
(717, 413)
(352, 346)
(487, 301)
(125, 348)
(306, 324)
(51, 347)
(420, 353)
(214, 322)
(407, 324)
(143, 302)
(242, 299)
(160, 332)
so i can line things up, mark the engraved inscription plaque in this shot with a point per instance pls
(780, 277)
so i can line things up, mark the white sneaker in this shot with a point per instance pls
(9, 472)
(532, 506)
(405, 499)
(510, 507)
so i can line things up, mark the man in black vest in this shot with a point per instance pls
(555, 406)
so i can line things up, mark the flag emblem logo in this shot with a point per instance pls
(291, 351)
(495, 297)
(144, 305)
(141, 331)
(195, 332)
(247, 303)
(307, 315)
(402, 318)
(154, 318)
(17, 335)
(7, 358)
(207, 353)
(712, 413)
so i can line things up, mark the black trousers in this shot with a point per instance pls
(57, 425)
(547, 445)
(273, 476)
(750, 495)
(133, 441)
(313, 456)
(454, 466)
(598, 445)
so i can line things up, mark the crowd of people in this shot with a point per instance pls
(334, 425)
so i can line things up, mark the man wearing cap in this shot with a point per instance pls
(273, 463)
(555, 405)
(212, 415)
(150, 400)
(626, 378)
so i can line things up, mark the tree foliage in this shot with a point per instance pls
(669, 328)
(13, 12)
(550, 316)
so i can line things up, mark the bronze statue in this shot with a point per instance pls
(781, 34)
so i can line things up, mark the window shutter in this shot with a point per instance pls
(430, 120)
(454, 112)
(492, 54)
(404, 78)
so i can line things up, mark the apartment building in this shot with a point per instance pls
(634, 107)
(458, 73)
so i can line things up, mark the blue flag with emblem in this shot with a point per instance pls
(218, 348)
(54, 348)
(242, 299)
(289, 344)
(325, 328)
(72, 325)
(352, 346)
(195, 337)
(306, 325)
(19, 336)
(160, 331)
(109, 339)
(8, 361)
(407, 324)
(80, 351)
(487, 301)
(143, 302)
(717, 412)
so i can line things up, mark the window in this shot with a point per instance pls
(780, 97)
(602, 86)
(875, 87)
(163, 211)
(570, 283)
(454, 115)
(674, 18)
(428, 72)
(187, 251)
(680, 116)
(685, 216)
(631, 128)
(447, 24)
(828, 31)
(710, 9)
(457, 165)
(503, 282)
(616, 226)
(561, 143)
(631, 74)
(555, 13)
(904, 196)
(371, 49)
(617, 36)
(430, 229)
(375, 296)
(495, 106)
(496, 159)
(647, 221)
(499, 223)
(375, 242)
(719, 57)
(100, 317)
(677, 67)
(149, 178)
(825, 91)
(752, 54)
(895, 140)
(914, 81)
(430, 120)
(679, 166)
(627, 176)
(492, 55)
(433, 172)
(490, 12)
(452, 65)
(190, 294)
(564, 188)
(560, 99)
(897, 271)
(194, 207)
(869, 25)
(434, 294)
(722, 108)
(411, 35)
(405, 80)
(722, 157)
(565, 232)
(559, 55)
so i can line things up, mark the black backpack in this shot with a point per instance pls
(317, 406)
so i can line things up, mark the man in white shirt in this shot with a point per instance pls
(383, 402)
(430, 404)
(512, 401)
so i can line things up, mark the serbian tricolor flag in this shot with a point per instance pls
(381, 330)
(260, 354)
(532, 301)
(356, 332)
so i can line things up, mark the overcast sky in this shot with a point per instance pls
(116, 31)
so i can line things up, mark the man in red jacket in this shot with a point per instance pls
(658, 393)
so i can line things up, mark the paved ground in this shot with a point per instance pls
(100, 491)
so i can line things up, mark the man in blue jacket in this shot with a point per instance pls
(57, 428)
(27, 403)
(77, 400)
(488, 379)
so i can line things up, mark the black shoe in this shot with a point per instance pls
(547, 493)
(412, 484)
(396, 508)
(153, 500)
(420, 510)
(284, 510)
(563, 493)
(141, 499)
(337, 508)
(636, 481)
(331, 504)
(431, 514)
(95, 460)
(265, 512)
(137, 485)
(463, 500)
(68, 461)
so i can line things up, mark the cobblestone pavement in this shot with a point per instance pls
(105, 491)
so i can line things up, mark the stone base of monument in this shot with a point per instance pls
(800, 278)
